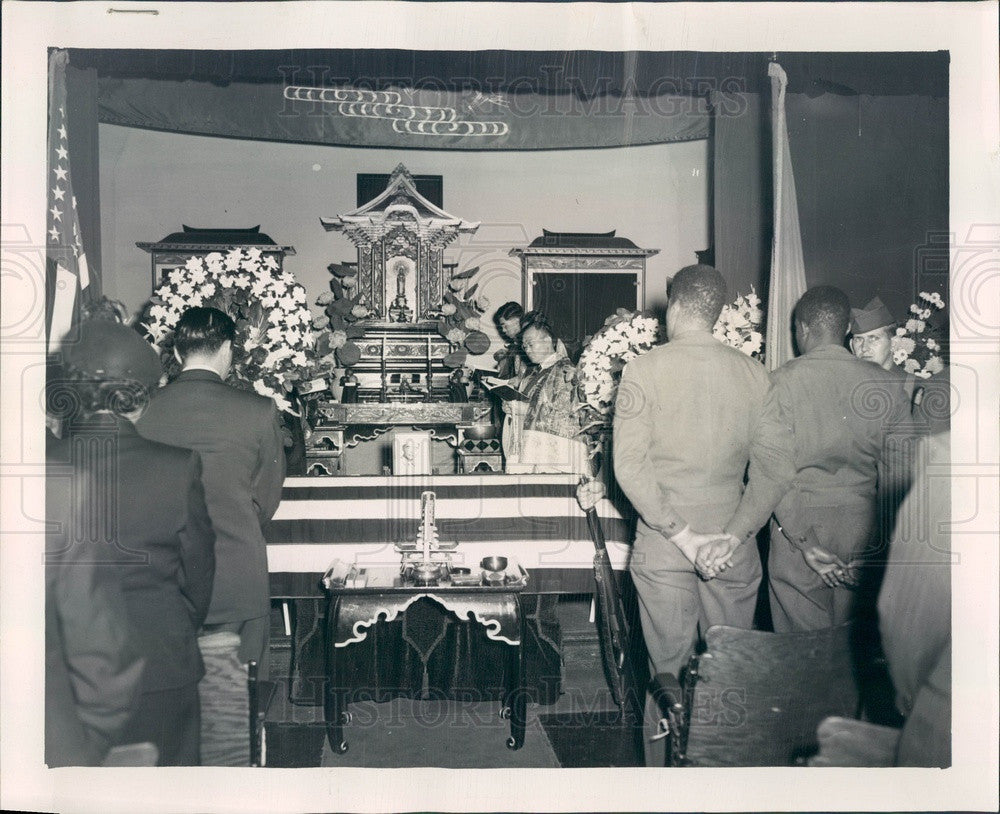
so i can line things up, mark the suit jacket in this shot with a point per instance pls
(824, 430)
(92, 670)
(682, 431)
(135, 511)
(239, 438)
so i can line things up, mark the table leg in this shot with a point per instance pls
(334, 696)
(517, 700)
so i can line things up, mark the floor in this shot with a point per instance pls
(580, 730)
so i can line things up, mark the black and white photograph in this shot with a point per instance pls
(400, 387)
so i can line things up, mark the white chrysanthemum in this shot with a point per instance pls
(934, 365)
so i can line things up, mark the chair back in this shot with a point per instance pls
(755, 698)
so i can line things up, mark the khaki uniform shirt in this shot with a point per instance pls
(823, 433)
(683, 425)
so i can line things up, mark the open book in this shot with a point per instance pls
(503, 389)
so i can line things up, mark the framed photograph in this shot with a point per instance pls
(411, 453)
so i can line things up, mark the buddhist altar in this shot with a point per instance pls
(403, 372)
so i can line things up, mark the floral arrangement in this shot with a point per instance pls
(739, 325)
(459, 316)
(343, 307)
(624, 336)
(916, 347)
(274, 342)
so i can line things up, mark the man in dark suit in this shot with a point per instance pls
(133, 512)
(239, 438)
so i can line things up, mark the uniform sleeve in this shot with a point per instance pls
(772, 465)
(901, 433)
(270, 467)
(633, 469)
(197, 547)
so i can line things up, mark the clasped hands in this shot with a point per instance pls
(834, 572)
(710, 553)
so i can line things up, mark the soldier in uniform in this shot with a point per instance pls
(827, 424)
(682, 434)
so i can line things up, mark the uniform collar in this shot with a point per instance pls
(694, 337)
(832, 350)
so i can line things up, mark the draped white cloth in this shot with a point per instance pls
(788, 274)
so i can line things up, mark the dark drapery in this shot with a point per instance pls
(741, 191)
(871, 175)
(508, 100)
(302, 109)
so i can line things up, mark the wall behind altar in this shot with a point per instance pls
(152, 182)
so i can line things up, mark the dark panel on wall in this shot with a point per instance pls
(372, 184)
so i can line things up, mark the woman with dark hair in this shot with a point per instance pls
(549, 421)
(145, 525)
(510, 359)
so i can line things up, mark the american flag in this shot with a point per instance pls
(67, 262)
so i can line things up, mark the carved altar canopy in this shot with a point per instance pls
(400, 237)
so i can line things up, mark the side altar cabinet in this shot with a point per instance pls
(401, 380)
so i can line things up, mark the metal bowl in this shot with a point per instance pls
(481, 432)
(494, 564)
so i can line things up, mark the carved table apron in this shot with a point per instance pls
(353, 612)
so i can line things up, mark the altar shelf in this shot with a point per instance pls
(175, 249)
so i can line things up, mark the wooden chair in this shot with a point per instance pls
(261, 693)
(755, 698)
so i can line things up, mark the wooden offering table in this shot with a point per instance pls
(384, 594)
(534, 519)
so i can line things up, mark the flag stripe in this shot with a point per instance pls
(67, 260)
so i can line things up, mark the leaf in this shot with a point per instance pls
(470, 291)
(443, 327)
(340, 307)
(338, 270)
(354, 331)
(336, 288)
(463, 312)
(349, 354)
(465, 275)
(337, 323)
(456, 359)
(449, 296)
(477, 342)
